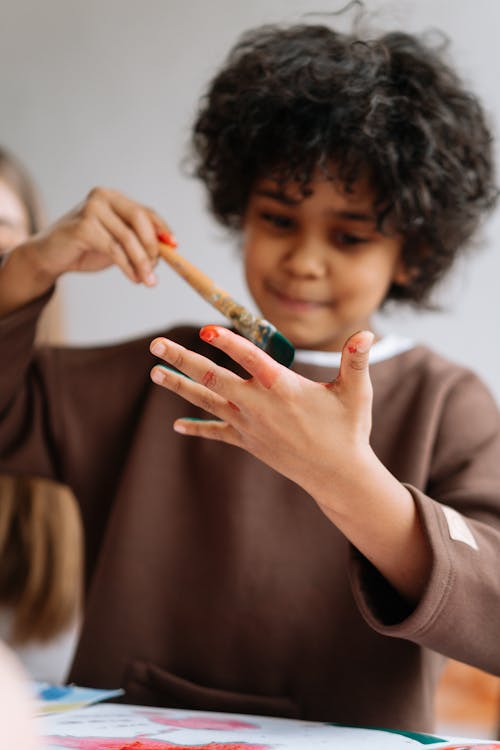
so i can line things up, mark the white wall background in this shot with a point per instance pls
(104, 91)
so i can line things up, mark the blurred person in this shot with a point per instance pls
(40, 537)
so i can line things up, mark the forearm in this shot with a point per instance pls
(26, 443)
(379, 517)
(22, 279)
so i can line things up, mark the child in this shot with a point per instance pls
(317, 572)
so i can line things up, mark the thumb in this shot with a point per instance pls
(354, 377)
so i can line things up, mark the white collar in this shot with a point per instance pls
(387, 347)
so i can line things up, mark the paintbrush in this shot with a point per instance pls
(258, 330)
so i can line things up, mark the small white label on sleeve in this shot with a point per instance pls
(458, 527)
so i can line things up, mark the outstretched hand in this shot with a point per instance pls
(302, 429)
(316, 434)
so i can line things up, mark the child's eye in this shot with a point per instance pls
(278, 221)
(346, 239)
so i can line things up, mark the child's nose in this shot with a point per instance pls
(306, 257)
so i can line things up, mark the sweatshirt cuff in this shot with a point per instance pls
(383, 608)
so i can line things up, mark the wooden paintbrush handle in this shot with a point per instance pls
(242, 318)
(196, 278)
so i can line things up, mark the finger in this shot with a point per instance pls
(256, 362)
(354, 376)
(109, 246)
(120, 259)
(130, 243)
(197, 367)
(191, 391)
(145, 230)
(208, 429)
(144, 221)
(116, 213)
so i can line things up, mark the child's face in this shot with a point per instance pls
(316, 266)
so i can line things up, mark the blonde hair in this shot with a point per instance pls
(41, 556)
(40, 527)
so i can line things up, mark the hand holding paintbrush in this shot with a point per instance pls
(258, 330)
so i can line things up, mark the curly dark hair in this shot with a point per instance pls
(292, 99)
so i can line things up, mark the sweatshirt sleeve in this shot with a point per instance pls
(68, 413)
(459, 612)
(26, 434)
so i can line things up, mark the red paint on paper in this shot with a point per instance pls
(141, 743)
(199, 722)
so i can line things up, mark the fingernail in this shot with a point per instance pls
(167, 238)
(157, 376)
(181, 427)
(209, 333)
(151, 279)
(364, 345)
(158, 348)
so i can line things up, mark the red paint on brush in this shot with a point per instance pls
(167, 239)
(209, 333)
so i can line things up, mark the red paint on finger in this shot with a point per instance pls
(167, 238)
(233, 406)
(208, 379)
(209, 333)
(352, 349)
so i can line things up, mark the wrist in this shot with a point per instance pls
(339, 488)
(23, 278)
(31, 258)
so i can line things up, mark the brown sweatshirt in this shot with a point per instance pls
(215, 583)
